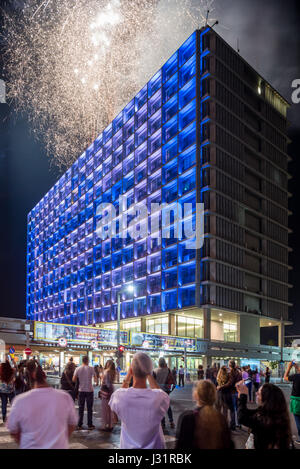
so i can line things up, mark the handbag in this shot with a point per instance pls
(250, 442)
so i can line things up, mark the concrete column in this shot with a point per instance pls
(249, 330)
(281, 328)
(143, 324)
(207, 325)
(172, 324)
(61, 362)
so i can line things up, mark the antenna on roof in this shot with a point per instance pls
(238, 45)
(215, 23)
(207, 14)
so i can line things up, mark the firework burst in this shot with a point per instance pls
(73, 64)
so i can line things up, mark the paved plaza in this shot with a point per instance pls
(181, 400)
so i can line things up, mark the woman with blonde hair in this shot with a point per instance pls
(105, 393)
(205, 427)
(223, 378)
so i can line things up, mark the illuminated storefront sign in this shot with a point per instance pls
(48, 332)
(168, 343)
(95, 338)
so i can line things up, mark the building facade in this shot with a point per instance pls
(206, 129)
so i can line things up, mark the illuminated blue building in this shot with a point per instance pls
(197, 132)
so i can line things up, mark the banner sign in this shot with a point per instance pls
(168, 343)
(49, 332)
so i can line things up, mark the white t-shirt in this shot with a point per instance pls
(42, 416)
(141, 412)
(85, 375)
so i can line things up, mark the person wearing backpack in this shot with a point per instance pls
(166, 382)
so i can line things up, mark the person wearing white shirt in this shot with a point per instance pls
(43, 418)
(85, 375)
(140, 408)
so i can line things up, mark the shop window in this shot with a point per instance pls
(132, 326)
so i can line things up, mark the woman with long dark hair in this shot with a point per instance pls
(107, 388)
(205, 427)
(44, 417)
(7, 389)
(270, 423)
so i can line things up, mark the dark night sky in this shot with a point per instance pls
(269, 39)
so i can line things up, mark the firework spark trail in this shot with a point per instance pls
(74, 64)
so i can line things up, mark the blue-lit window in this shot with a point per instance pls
(106, 281)
(187, 159)
(127, 309)
(118, 123)
(140, 173)
(141, 98)
(170, 88)
(116, 277)
(169, 257)
(187, 137)
(188, 204)
(117, 260)
(154, 142)
(154, 304)
(140, 249)
(154, 123)
(107, 134)
(127, 273)
(187, 71)
(169, 192)
(187, 115)
(154, 162)
(187, 93)
(128, 164)
(140, 268)
(154, 104)
(169, 300)
(170, 171)
(187, 182)
(170, 67)
(154, 283)
(170, 129)
(154, 263)
(187, 49)
(118, 139)
(141, 116)
(170, 108)
(128, 111)
(117, 156)
(187, 274)
(106, 265)
(117, 174)
(140, 306)
(170, 150)
(154, 84)
(154, 182)
(186, 296)
(141, 153)
(128, 255)
(128, 182)
(141, 135)
(129, 146)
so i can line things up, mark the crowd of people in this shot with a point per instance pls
(42, 417)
